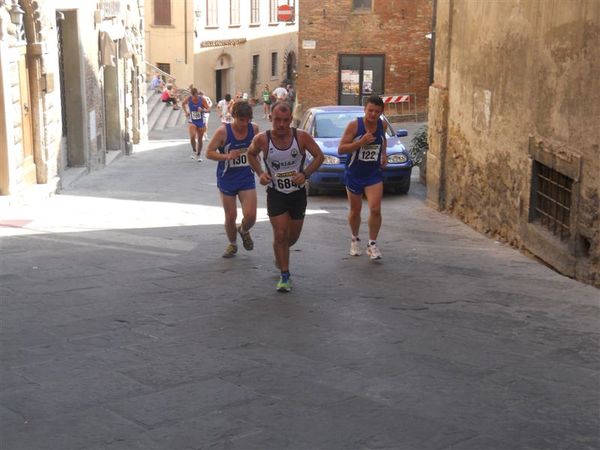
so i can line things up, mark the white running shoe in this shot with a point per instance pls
(355, 248)
(373, 252)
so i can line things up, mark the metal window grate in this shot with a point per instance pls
(553, 200)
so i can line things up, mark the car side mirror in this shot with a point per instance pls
(401, 133)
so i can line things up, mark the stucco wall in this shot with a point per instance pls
(522, 84)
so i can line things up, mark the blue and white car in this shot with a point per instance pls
(326, 124)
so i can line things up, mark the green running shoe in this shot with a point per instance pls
(284, 284)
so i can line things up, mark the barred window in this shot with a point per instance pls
(551, 200)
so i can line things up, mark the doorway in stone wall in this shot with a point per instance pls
(27, 162)
(223, 76)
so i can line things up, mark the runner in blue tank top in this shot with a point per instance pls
(235, 178)
(365, 144)
(194, 107)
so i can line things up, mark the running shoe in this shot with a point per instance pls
(373, 251)
(355, 248)
(199, 159)
(284, 284)
(246, 239)
(230, 251)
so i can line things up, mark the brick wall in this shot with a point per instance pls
(394, 28)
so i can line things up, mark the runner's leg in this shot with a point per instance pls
(355, 207)
(230, 208)
(192, 133)
(281, 248)
(248, 201)
(374, 193)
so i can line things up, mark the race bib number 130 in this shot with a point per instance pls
(240, 161)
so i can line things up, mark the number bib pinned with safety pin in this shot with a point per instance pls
(284, 182)
(196, 115)
(241, 160)
(369, 153)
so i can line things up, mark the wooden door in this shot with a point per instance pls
(27, 161)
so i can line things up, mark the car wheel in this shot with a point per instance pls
(404, 187)
(312, 191)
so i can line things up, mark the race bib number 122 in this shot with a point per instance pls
(369, 153)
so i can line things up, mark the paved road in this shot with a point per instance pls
(124, 329)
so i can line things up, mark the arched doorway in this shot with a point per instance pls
(290, 65)
(223, 76)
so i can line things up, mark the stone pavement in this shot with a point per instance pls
(123, 328)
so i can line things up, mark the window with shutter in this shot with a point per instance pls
(162, 12)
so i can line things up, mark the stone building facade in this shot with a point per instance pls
(514, 135)
(70, 77)
(349, 49)
(222, 46)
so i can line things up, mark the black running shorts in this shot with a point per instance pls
(279, 203)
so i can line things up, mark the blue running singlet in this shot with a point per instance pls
(196, 115)
(235, 175)
(363, 166)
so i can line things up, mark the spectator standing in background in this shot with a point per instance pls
(206, 113)
(223, 109)
(280, 93)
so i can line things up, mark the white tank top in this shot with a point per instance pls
(283, 164)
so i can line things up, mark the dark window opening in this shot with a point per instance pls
(274, 64)
(361, 4)
(551, 200)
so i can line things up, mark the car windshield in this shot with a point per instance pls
(332, 125)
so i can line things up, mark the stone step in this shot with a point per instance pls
(163, 117)
(175, 119)
(155, 109)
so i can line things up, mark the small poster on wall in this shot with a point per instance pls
(367, 82)
(350, 79)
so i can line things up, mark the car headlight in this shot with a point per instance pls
(331, 160)
(397, 158)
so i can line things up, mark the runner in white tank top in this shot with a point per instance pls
(284, 164)
(283, 149)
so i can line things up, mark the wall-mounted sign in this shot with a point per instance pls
(308, 44)
(223, 42)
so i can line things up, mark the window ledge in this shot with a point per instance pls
(211, 27)
(237, 25)
(254, 24)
